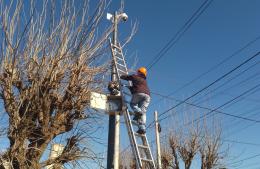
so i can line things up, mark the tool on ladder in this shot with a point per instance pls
(139, 142)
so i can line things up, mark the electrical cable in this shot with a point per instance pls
(245, 159)
(217, 111)
(199, 101)
(212, 68)
(235, 85)
(180, 33)
(214, 110)
(241, 129)
(225, 76)
(241, 142)
(221, 112)
(226, 103)
(212, 83)
(250, 114)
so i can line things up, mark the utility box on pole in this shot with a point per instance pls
(98, 101)
(109, 104)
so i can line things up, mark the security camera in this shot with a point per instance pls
(124, 16)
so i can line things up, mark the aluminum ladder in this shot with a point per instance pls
(139, 142)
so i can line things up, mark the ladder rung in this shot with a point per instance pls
(116, 47)
(120, 58)
(142, 146)
(118, 51)
(121, 65)
(139, 135)
(122, 71)
(146, 160)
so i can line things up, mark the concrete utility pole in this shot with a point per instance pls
(158, 140)
(114, 119)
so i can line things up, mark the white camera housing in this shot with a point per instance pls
(124, 16)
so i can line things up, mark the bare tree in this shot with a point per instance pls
(49, 64)
(184, 146)
(210, 150)
(166, 158)
(194, 139)
(127, 160)
(189, 146)
(173, 141)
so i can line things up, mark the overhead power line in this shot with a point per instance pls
(180, 33)
(226, 103)
(213, 68)
(228, 81)
(245, 159)
(217, 111)
(241, 142)
(210, 109)
(241, 129)
(206, 87)
(212, 83)
(203, 107)
(213, 110)
(199, 101)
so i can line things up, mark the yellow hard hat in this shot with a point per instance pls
(142, 70)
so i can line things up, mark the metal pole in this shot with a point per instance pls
(157, 141)
(114, 120)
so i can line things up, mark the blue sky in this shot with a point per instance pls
(223, 28)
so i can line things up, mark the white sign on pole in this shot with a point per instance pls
(110, 104)
(98, 101)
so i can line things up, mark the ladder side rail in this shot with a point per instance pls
(130, 126)
(126, 114)
(133, 139)
(117, 72)
(115, 62)
(149, 153)
(130, 84)
(144, 139)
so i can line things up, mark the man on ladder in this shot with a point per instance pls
(140, 97)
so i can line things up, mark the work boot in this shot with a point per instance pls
(141, 131)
